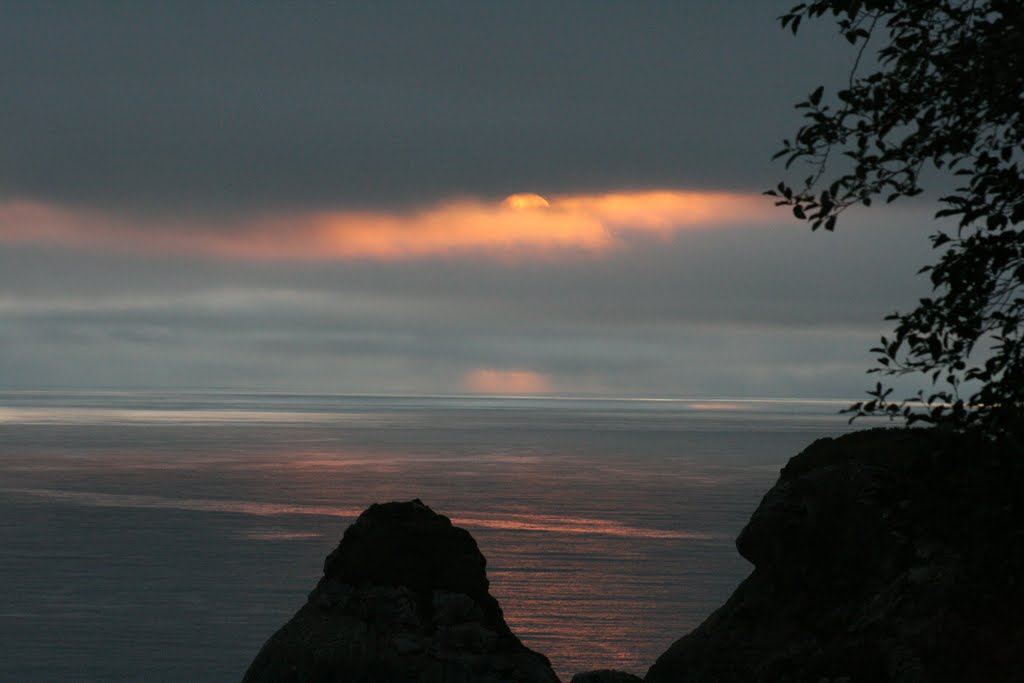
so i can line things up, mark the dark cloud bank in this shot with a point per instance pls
(230, 106)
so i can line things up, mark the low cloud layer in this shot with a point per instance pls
(769, 310)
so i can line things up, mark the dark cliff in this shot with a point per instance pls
(884, 555)
(404, 597)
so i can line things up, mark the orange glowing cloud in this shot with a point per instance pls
(506, 382)
(521, 225)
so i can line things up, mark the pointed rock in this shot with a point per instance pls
(404, 597)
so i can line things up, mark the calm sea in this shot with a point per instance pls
(164, 537)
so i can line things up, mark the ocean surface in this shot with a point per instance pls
(165, 537)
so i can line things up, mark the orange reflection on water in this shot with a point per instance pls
(583, 601)
(503, 521)
(568, 525)
(280, 535)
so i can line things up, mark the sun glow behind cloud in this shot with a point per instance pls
(521, 226)
(525, 200)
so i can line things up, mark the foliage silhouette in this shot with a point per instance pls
(946, 92)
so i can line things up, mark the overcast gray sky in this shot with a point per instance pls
(310, 197)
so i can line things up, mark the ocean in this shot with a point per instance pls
(165, 537)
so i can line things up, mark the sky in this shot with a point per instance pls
(402, 197)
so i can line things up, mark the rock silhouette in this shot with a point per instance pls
(404, 597)
(884, 555)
